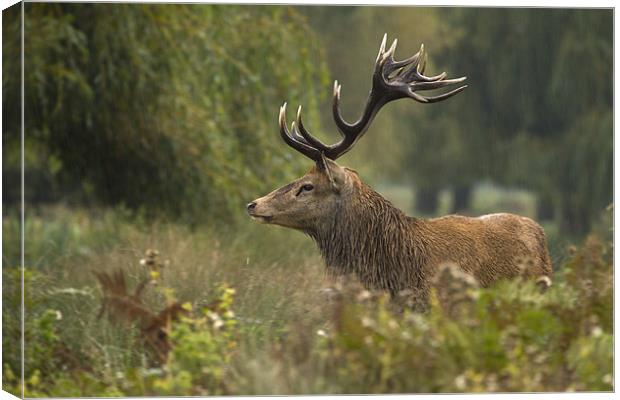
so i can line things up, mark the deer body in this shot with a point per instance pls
(360, 232)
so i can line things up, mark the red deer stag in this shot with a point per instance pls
(360, 232)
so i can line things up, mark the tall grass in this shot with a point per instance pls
(277, 275)
(290, 335)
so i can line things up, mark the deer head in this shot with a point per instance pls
(120, 305)
(313, 199)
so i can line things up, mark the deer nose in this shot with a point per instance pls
(251, 206)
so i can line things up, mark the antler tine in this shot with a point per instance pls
(391, 50)
(445, 96)
(382, 47)
(422, 66)
(340, 123)
(307, 136)
(300, 146)
(415, 74)
(295, 133)
(430, 85)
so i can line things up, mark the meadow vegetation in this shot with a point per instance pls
(280, 326)
(149, 127)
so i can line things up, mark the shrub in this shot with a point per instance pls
(507, 338)
(202, 348)
(290, 339)
(42, 346)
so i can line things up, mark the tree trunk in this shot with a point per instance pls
(426, 200)
(461, 196)
(575, 222)
(545, 211)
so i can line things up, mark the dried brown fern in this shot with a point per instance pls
(122, 306)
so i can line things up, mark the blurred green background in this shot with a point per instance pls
(171, 109)
(151, 127)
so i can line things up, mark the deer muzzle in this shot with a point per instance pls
(255, 214)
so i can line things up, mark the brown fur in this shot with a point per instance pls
(360, 232)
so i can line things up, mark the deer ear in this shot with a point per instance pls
(334, 172)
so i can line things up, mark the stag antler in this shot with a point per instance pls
(391, 80)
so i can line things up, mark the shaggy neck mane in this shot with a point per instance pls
(373, 239)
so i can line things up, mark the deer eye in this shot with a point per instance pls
(305, 188)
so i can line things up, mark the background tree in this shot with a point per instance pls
(169, 108)
(530, 105)
(536, 116)
(179, 114)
